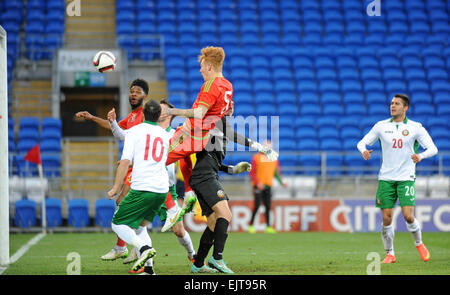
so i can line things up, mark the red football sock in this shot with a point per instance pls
(186, 170)
(120, 242)
(169, 201)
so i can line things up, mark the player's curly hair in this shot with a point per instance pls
(141, 83)
(213, 55)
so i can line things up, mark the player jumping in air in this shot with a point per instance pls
(400, 139)
(211, 104)
(211, 196)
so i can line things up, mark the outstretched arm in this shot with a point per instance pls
(197, 113)
(99, 121)
(242, 140)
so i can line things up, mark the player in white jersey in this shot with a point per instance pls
(400, 139)
(146, 147)
(178, 229)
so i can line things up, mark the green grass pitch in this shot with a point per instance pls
(310, 253)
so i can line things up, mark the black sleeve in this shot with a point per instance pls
(226, 169)
(234, 136)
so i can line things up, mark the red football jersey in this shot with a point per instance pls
(216, 94)
(134, 118)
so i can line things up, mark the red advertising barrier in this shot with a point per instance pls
(329, 216)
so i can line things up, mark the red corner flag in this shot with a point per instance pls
(34, 155)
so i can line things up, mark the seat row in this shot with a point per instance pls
(78, 212)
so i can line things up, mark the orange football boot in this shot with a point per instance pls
(141, 270)
(423, 251)
(389, 259)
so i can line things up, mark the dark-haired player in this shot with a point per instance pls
(399, 138)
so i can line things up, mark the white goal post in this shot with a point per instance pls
(4, 176)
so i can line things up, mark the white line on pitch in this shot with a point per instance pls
(23, 250)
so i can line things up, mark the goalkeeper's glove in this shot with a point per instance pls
(270, 153)
(242, 167)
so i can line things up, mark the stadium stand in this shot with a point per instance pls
(297, 59)
(328, 53)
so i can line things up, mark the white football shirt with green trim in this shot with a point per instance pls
(399, 141)
(146, 145)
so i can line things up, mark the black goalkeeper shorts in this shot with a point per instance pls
(209, 193)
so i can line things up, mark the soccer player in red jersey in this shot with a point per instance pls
(211, 104)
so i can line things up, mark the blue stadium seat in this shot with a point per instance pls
(244, 109)
(310, 110)
(308, 97)
(310, 164)
(28, 134)
(440, 132)
(51, 165)
(305, 121)
(333, 109)
(371, 75)
(287, 144)
(126, 5)
(25, 168)
(78, 213)
(51, 134)
(53, 212)
(104, 211)
(328, 86)
(347, 72)
(34, 15)
(327, 132)
(25, 213)
(51, 123)
(24, 145)
(286, 97)
(305, 132)
(36, 4)
(443, 110)
(334, 164)
(266, 110)
(308, 144)
(421, 109)
(392, 74)
(289, 110)
(55, 5)
(377, 109)
(349, 144)
(434, 122)
(50, 145)
(351, 85)
(350, 132)
(352, 97)
(354, 164)
(439, 86)
(437, 74)
(29, 123)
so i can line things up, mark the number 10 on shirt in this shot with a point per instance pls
(154, 148)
